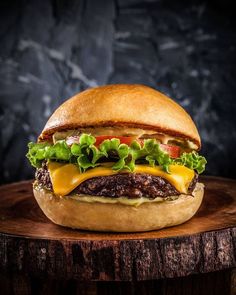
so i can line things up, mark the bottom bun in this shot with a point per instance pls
(96, 216)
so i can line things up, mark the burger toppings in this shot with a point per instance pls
(131, 185)
(66, 177)
(123, 132)
(115, 166)
(173, 151)
(86, 155)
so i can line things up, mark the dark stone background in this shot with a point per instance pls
(53, 49)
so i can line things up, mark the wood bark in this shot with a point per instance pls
(217, 283)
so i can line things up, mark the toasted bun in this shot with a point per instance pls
(118, 217)
(123, 105)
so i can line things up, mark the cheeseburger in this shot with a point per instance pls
(120, 158)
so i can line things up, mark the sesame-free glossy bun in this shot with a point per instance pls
(123, 105)
(96, 216)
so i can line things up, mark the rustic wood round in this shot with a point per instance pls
(31, 244)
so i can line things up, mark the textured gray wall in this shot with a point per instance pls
(53, 49)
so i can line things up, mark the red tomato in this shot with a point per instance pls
(123, 139)
(173, 151)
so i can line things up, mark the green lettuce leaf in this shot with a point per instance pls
(84, 152)
(36, 153)
(192, 160)
(86, 155)
(45, 151)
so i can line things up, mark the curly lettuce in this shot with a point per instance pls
(86, 155)
(192, 160)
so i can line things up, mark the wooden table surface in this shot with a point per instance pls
(30, 242)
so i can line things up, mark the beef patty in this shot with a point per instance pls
(130, 185)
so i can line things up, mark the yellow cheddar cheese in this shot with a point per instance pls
(66, 177)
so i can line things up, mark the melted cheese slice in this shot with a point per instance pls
(66, 177)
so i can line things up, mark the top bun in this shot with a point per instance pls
(136, 106)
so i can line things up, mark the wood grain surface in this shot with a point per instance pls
(29, 242)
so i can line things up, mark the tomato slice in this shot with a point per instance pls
(173, 151)
(123, 139)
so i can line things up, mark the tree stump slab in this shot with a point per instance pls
(30, 243)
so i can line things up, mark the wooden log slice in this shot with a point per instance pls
(30, 243)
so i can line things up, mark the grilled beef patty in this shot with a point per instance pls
(130, 185)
